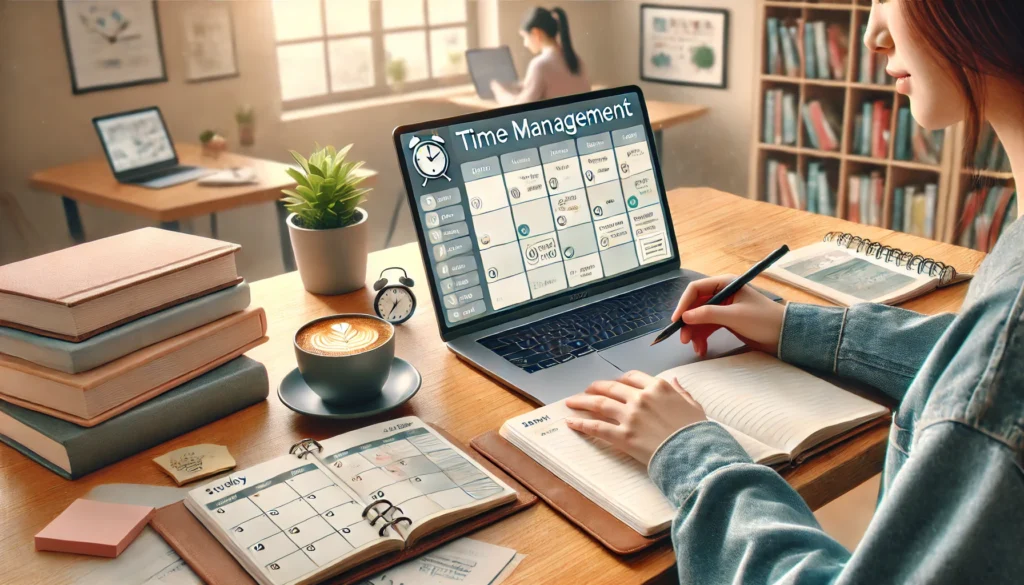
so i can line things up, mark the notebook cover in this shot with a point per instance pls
(599, 523)
(236, 385)
(72, 358)
(215, 565)
(87, 381)
(94, 269)
(90, 334)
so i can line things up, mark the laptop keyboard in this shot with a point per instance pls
(561, 338)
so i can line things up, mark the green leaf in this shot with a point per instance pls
(299, 177)
(327, 191)
(301, 160)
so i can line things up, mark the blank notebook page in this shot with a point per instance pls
(778, 404)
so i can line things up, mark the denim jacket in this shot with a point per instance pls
(951, 508)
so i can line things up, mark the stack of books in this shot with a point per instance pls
(821, 125)
(864, 198)
(913, 209)
(871, 68)
(991, 155)
(914, 143)
(987, 213)
(818, 48)
(780, 117)
(114, 346)
(786, 187)
(871, 129)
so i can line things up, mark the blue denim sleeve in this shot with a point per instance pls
(881, 346)
(742, 523)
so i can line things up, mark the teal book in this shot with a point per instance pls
(897, 208)
(867, 121)
(826, 203)
(773, 46)
(789, 51)
(810, 52)
(812, 187)
(72, 451)
(789, 119)
(903, 132)
(769, 116)
(72, 358)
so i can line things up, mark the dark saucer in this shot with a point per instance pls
(403, 383)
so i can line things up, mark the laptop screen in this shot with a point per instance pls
(135, 140)
(520, 207)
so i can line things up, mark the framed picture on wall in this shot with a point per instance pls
(684, 46)
(209, 42)
(112, 43)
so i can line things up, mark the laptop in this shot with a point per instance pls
(140, 151)
(548, 242)
(490, 64)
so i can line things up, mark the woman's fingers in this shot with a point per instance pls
(600, 405)
(611, 389)
(595, 428)
(637, 379)
(705, 287)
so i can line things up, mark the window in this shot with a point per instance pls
(337, 50)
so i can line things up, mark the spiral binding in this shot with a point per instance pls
(305, 447)
(913, 262)
(383, 515)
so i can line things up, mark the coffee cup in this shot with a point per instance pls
(345, 359)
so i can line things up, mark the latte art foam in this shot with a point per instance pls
(343, 336)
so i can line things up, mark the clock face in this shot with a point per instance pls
(395, 304)
(430, 159)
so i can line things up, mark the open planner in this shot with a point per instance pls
(330, 506)
(775, 411)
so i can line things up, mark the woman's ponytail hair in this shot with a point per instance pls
(553, 27)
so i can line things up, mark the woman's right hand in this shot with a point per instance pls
(749, 315)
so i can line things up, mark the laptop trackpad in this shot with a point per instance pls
(639, 355)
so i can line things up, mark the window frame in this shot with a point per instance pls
(381, 87)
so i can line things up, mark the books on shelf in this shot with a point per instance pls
(777, 413)
(914, 143)
(865, 198)
(871, 131)
(780, 117)
(72, 451)
(821, 125)
(987, 212)
(817, 50)
(990, 155)
(914, 208)
(785, 186)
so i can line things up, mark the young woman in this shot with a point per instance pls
(952, 503)
(556, 69)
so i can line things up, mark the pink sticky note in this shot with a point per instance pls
(94, 528)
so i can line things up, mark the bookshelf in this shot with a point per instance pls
(965, 179)
(844, 98)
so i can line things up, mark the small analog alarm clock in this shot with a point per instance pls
(394, 303)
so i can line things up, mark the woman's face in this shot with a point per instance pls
(532, 40)
(935, 99)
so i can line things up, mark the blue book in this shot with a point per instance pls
(897, 208)
(812, 187)
(867, 121)
(108, 346)
(826, 204)
(73, 451)
(773, 46)
(810, 62)
(789, 119)
(769, 116)
(903, 132)
(789, 51)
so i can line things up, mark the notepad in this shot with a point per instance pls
(775, 411)
(94, 528)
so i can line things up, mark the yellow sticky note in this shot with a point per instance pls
(196, 462)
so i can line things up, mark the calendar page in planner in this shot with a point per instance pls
(410, 466)
(287, 519)
(520, 207)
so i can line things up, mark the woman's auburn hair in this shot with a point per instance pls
(976, 38)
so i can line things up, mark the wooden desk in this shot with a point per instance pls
(662, 114)
(717, 233)
(92, 182)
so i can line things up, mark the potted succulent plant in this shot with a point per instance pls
(396, 72)
(213, 143)
(327, 227)
(245, 116)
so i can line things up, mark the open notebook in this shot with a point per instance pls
(775, 411)
(333, 505)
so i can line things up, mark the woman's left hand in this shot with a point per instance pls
(636, 413)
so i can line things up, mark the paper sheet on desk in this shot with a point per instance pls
(149, 560)
(464, 561)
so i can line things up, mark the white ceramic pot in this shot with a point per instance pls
(331, 262)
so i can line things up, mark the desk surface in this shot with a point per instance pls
(663, 114)
(717, 233)
(91, 181)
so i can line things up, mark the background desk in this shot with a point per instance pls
(662, 114)
(717, 233)
(92, 182)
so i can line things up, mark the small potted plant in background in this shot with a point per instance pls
(396, 72)
(327, 227)
(246, 118)
(213, 143)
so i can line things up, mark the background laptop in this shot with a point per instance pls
(548, 242)
(490, 64)
(140, 151)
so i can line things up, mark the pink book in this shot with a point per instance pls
(94, 528)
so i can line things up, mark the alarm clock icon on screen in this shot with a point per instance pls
(429, 157)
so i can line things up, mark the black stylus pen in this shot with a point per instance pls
(730, 289)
